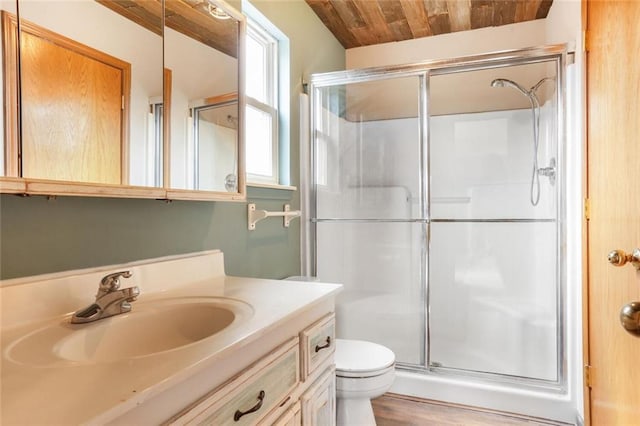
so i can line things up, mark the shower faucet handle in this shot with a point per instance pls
(549, 171)
(620, 258)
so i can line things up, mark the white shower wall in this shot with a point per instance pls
(492, 292)
(481, 165)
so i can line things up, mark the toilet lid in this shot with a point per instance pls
(358, 356)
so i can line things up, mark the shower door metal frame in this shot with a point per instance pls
(424, 70)
(423, 146)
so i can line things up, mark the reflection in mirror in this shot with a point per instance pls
(8, 166)
(90, 83)
(215, 134)
(155, 159)
(203, 59)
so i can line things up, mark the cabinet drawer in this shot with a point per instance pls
(318, 343)
(253, 394)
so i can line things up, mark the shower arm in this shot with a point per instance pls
(535, 88)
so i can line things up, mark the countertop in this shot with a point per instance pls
(73, 393)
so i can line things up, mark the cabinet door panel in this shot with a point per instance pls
(319, 402)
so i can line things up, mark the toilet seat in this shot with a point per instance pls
(360, 359)
(360, 375)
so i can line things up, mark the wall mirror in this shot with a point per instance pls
(90, 81)
(106, 109)
(202, 66)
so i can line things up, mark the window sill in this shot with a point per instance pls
(271, 186)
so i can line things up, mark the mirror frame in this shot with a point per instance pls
(11, 183)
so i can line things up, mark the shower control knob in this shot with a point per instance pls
(619, 258)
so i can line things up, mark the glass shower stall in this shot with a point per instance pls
(436, 197)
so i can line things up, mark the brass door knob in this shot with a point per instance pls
(619, 258)
(630, 318)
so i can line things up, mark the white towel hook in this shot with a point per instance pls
(254, 216)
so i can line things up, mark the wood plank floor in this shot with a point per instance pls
(400, 410)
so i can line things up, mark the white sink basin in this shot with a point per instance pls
(149, 329)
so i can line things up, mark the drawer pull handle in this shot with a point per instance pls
(285, 401)
(253, 409)
(325, 346)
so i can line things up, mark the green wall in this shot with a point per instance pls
(38, 235)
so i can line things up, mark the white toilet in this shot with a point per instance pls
(364, 370)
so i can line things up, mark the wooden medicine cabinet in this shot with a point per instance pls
(103, 100)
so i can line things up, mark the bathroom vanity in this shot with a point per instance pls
(197, 347)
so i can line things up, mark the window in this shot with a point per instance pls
(261, 116)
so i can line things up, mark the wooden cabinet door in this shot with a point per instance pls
(319, 402)
(613, 89)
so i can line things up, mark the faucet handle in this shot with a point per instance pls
(111, 282)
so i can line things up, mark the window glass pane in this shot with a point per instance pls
(259, 142)
(256, 69)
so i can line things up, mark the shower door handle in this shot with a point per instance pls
(619, 258)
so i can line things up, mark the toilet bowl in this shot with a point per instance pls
(364, 370)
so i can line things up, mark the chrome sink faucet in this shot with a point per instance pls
(110, 300)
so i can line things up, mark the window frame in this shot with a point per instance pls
(270, 107)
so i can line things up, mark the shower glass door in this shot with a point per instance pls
(370, 228)
(493, 261)
(437, 200)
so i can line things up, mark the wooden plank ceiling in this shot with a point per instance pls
(365, 22)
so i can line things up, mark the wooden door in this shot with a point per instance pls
(613, 92)
(72, 111)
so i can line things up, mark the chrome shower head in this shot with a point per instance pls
(503, 82)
